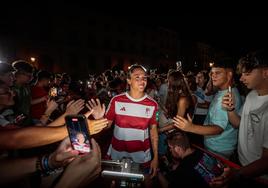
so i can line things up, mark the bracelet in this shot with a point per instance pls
(38, 165)
(43, 168)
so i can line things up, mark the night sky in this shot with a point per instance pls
(234, 34)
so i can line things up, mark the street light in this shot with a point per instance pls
(211, 64)
(32, 59)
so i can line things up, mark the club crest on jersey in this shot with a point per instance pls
(147, 111)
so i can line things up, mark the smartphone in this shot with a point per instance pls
(230, 91)
(53, 92)
(209, 167)
(178, 65)
(78, 133)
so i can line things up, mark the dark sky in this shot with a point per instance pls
(235, 34)
(231, 33)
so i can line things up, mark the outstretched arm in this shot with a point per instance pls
(30, 137)
(14, 169)
(188, 126)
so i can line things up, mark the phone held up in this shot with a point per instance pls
(78, 133)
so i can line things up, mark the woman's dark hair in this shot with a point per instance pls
(176, 90)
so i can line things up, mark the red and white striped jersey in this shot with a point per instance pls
(132, 118)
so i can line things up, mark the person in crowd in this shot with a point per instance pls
(196, 167)
(251, 121)
(20, 138)
(220, 136)
(179, 100)
(40, 98)
(23, 76)
(135, 127)
(203, 100)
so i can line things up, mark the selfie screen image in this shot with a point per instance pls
(79, 136)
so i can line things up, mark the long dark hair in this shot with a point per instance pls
(176, 89)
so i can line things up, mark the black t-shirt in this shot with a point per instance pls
(195, 170)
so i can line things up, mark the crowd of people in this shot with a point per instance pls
(158, 120)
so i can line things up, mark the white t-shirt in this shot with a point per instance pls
(253, 130)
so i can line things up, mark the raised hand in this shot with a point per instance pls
(51, 106)
(98, 109)
(182, 123)
(95, 126)
(74, 107)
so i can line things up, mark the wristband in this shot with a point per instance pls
(43, 168)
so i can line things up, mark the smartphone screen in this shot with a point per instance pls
(78, 133)
(53, 92)
(209, 167)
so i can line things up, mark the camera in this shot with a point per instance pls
(126, 171)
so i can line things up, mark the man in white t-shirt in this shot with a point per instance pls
(252, 122)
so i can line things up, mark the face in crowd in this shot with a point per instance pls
(221, 77)
(138, 79)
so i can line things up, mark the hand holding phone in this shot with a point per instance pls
(78, 133)
(228, 100)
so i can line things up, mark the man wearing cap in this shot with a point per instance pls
(220, 136)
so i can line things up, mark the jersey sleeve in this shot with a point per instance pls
(155, 116)
(110, 113)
